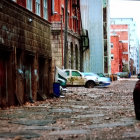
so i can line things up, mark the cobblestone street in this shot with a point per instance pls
(82, 114)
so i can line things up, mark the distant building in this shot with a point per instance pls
(116, 54)
(132, 38)
(122, 32)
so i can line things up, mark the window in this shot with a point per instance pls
(52, 6)
(72, 56)
(29, 5)
(75, 73)
(111, 45)
(38, 7)
(76, 56)
(63, 15)
(45, 9)
(67, 72)
(112, 56)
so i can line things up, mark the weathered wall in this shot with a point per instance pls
(57, 47)
(26, 36)
(17, 31)
(73, 35)
(92, 20)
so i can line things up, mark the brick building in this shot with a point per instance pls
(73, 51)
(25, 51)
(122, 31)
(116, 54)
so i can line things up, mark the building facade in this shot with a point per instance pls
(123, 32)
(63, 34)
(116, 54)
(133, 41)
(96, 56)
(25, 52)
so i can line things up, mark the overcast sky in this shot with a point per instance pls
(126, 8)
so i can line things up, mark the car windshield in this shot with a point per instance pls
(90, 74)
(100, 74)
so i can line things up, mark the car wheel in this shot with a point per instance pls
(90, 84)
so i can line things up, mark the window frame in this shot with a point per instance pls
(31, 5)
(68, 73)
(38, 7)
(45, 9)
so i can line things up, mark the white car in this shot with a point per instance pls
(75, 77)
(103, 80)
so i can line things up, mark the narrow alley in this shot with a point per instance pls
(81, 114)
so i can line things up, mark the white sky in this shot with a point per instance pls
(126, 8)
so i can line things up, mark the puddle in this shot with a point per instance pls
(132, 134)
(70, 132)
(62, 110)
(41, 128)
(27, 135)
(88, 116)
(111, 125)
(80, 107)
(33, 122)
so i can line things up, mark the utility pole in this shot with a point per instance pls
(66, 33)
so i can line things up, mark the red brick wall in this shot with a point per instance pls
(23, 3)
(115, 51)
(72, 22)
(122, 32)
(119, 26)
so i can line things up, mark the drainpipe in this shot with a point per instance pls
(65, 39)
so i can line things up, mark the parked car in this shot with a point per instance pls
(103, 81)
(77, 78)
(123, 74)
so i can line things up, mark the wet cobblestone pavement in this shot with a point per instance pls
(83, 114)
